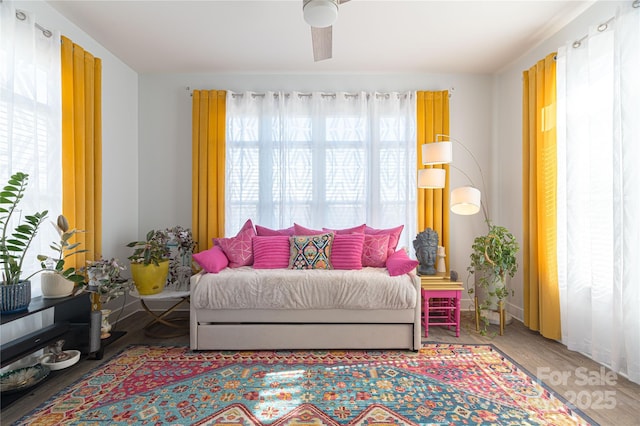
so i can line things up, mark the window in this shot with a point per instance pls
(334, 160)
(598, 196)
(30, 120)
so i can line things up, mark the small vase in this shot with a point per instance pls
(55, 286)
(96, 303)
(441, 266)
(105, 326)
(15, 298)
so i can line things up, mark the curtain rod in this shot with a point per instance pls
(259, 94)
(22, 16)
(603, 27)
(327, 95)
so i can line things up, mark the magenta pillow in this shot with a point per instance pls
(263, 231)
(399, 263)
(346, 252)
(238, 249)
(374, 250)
(271, 252)
(301, 230)
(394, 236)
(212, 260)
(354, 230)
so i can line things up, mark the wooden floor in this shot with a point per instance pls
(570, 374)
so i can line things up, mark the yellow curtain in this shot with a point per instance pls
(82, 147)
(208, 169)
(539, 178)
(433, 204)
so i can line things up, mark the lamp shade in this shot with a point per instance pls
(431, 178)
(320, 13)
(437, 153)
(465, 200)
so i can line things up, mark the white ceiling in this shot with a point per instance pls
(391, 36)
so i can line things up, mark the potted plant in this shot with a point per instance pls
(15, 291)
(181, 246)
(150, 262)
(492, 259)
(105, 284)
(56, 280)
(104, 280)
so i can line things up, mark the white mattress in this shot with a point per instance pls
(248, 288)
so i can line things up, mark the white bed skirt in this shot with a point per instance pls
(280, 329)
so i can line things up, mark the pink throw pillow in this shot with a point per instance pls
(301, 230)
(374, 250)
(346, 252)
(399, 263)
(271, 252)
(394, 236)
(354, 230)
(263, 231)
(212, 260)
(238, 249)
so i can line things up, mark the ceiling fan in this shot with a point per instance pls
(321, 15)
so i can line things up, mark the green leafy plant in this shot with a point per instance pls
(65, 249)
(493, 259)
(14, 245)
(152, 250)
(182, 240)
(103, 277)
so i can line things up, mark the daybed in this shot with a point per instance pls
(253, 308)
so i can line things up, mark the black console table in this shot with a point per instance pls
(71, 322)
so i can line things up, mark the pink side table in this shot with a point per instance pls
(441, 302)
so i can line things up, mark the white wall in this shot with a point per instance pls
(165, 134)
(507, 133)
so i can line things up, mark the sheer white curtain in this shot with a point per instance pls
(599, 193)
(321, 159)
(30, 119)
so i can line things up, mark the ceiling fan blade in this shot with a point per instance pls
(321, 39)
(342, 1)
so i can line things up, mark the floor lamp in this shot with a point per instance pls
(465, 200)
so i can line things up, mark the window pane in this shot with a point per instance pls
(320, 160)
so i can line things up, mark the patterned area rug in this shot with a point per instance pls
(442, 384)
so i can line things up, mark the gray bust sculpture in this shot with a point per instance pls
(426, 245)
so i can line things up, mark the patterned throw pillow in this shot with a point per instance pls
(310, 251)
(238, 249)
(374, 250)
(394, 236)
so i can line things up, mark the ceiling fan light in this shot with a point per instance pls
(320, 13)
